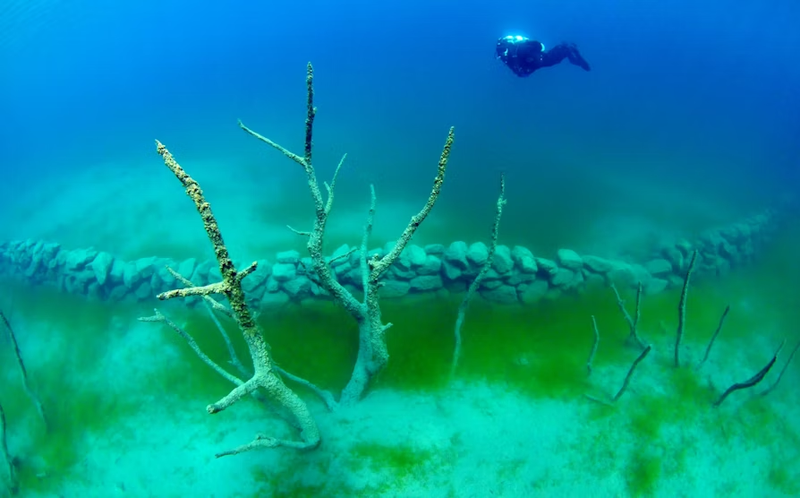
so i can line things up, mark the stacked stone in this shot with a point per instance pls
(515, 276)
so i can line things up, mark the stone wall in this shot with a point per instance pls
(517, 275)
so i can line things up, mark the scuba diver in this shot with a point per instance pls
(524, 56)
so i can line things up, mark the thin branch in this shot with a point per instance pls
(13, 482)
(714, 337)
(231, 288)
(595, 344)
(299, 232)
(383, 264)
(158, 317)
(202, 291)
(216, 305)
(752, 381)
(365, 241)
(633, 322)
(783, 370)
(330, 188)
(627, 380)
(261, 441)
(476, 283)
(682, 308)
(23, 371)
(343, 256)
(326, 396)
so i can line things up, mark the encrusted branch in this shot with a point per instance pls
(13, 482)
(633, 322)
(158, 317)
(231, 287)
(714, 337)
(372, 355)
(682, 308)
(475, 285)
(783, 370)
(595, 344)
(627, 380)
(23, 371)
(752, 381)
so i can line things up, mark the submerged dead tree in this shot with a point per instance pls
(372, 352)
(266, 376)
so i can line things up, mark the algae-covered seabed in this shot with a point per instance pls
(126, 400)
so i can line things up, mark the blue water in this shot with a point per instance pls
(687, 121)
(685, 104)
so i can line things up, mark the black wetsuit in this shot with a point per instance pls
(524, 56)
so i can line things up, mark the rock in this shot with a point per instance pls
(451, 271)
(524, 260)
(569, 259)
(394, 288)
(456, 255)
(518, 278)
(490, 283)
(118, 293)
(401, 273)
(426, 283)
(547, 267)
(478, 253)
(622, 274)
(416, 255)
(258, 277)
(655, 285)
(435, 249)
(297, 287)
(658, 267)
(146, 267)
(200, 275)
(186, 268)
(163, 280)
(117, 272)
(283, 272)
(288, 257)
(534, 291)
(102, 267)
(78, 259)
(432, 266)
(597, 264)
(504, 294)
(143, 291)
(562, 277)
(502, 261)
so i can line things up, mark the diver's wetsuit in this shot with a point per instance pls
(524, 56)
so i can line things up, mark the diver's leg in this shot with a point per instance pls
(577, 59)
(564, 51)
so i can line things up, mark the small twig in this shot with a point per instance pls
(636, 362)
(159, 317)
(326, 396)
(33, 397)
(13, 483)
(473, 288)
(714, 337)
(299, 232)
(633, 322)
(783, 370)
(216, 305)
(595, 343)
(682, 309)
(752, 381)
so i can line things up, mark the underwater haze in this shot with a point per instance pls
(687, 119)
(685, 130)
